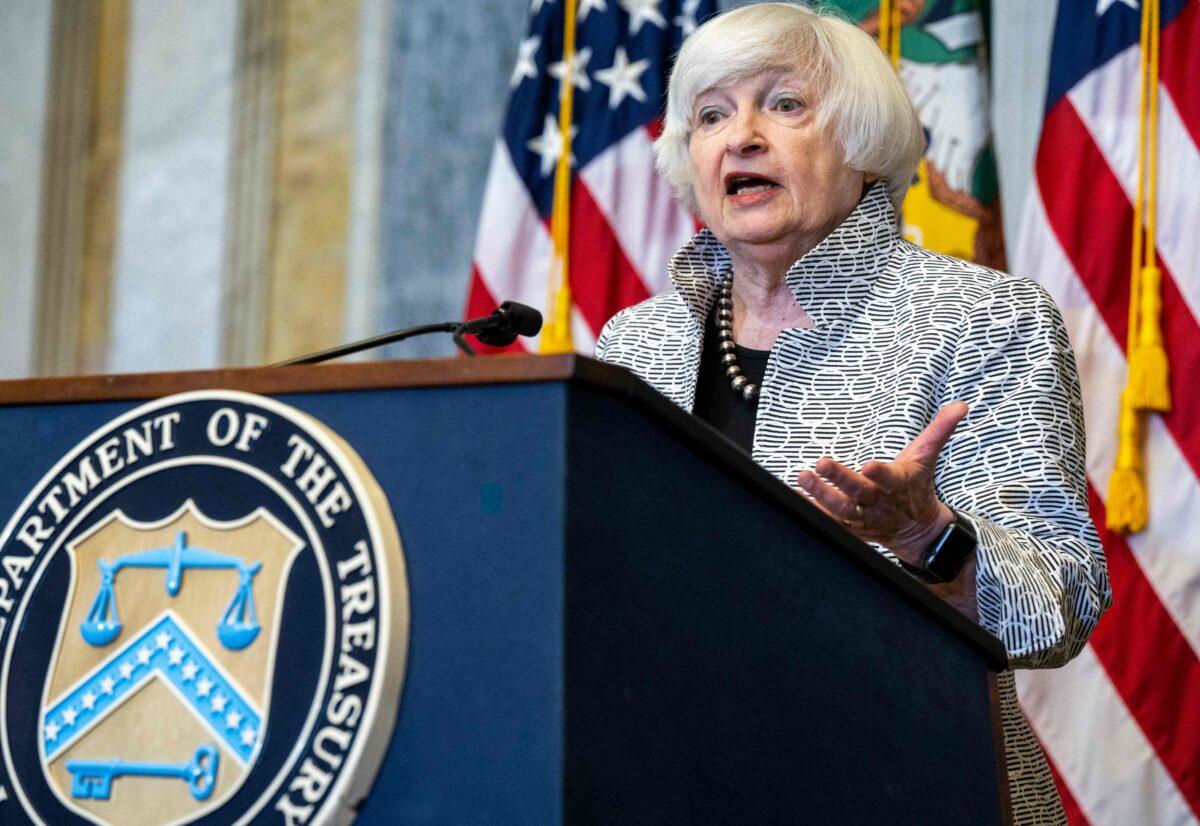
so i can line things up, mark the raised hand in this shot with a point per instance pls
(892, 503)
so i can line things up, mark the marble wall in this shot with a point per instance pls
(171, 226)
(447, 91)
(1022, 31)
(24, 66)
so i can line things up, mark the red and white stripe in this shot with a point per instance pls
(625, 225)
(1121, 724)
(512, 245)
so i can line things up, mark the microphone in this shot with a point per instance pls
(501, 328)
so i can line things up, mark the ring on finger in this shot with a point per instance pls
(857, 517)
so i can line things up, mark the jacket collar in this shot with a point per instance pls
(831, 281)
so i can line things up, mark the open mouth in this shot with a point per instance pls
(747, 184)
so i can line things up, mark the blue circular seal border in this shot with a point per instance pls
(257, 437)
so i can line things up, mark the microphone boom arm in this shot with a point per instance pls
(510, 320)
(454, 327)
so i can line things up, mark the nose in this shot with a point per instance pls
(745, 137)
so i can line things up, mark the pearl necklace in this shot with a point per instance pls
(741, 385)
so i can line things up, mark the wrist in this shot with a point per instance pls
(948, 554)
(913, 552)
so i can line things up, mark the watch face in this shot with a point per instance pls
(952, 550)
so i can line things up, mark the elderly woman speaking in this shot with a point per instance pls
(929, 404)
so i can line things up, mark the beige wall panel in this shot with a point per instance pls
(313, 176)
(103, 179)
(82, 161)
(64, 186)
(252, 176)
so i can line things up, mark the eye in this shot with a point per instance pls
(788, 104)
(708, 116)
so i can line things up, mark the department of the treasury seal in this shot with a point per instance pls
(203, 618)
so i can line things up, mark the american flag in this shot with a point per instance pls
(624, 221)
(1121, 723)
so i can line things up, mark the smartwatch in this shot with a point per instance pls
(946, 555)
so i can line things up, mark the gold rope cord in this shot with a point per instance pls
(1147, 389)
(556, 335)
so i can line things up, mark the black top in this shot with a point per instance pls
(716, 403)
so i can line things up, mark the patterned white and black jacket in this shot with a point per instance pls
(900, 331)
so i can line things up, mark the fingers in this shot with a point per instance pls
(857, 486)
(886, 476)
(930, 441)
(831, 500)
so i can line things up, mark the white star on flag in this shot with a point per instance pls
(641, 11)
(88, 701)
(126, 669)
(143, 655)
(579, 78)
(248, 736)
(52, 730)
(525, 65)
(1104, 5)
(163, 639)
(175, 655)
(69, 715)
(686, 20)
(586, 6)
(203, 687)
(189, 672)
(233, 720)
(218, 702)
(549, 144)
(107, 685)
(622, 79)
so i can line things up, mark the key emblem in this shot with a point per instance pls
(93, 779)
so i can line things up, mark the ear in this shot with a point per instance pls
(870, 178)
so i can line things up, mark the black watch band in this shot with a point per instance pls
(946, 555)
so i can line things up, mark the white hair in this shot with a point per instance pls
(859, 96)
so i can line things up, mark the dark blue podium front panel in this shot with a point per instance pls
(475, 479)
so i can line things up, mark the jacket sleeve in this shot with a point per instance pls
(1015, 469)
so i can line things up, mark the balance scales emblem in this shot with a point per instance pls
(157, 696)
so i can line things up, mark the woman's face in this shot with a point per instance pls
(765, 172)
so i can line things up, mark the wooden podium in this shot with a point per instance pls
(616, 616)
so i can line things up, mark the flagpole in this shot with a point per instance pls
(556, 335)
(889, 30)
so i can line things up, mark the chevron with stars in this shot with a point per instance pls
(167, 651)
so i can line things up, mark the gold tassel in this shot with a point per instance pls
(1147, 389)
(1148, 374)
(1128, 510)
